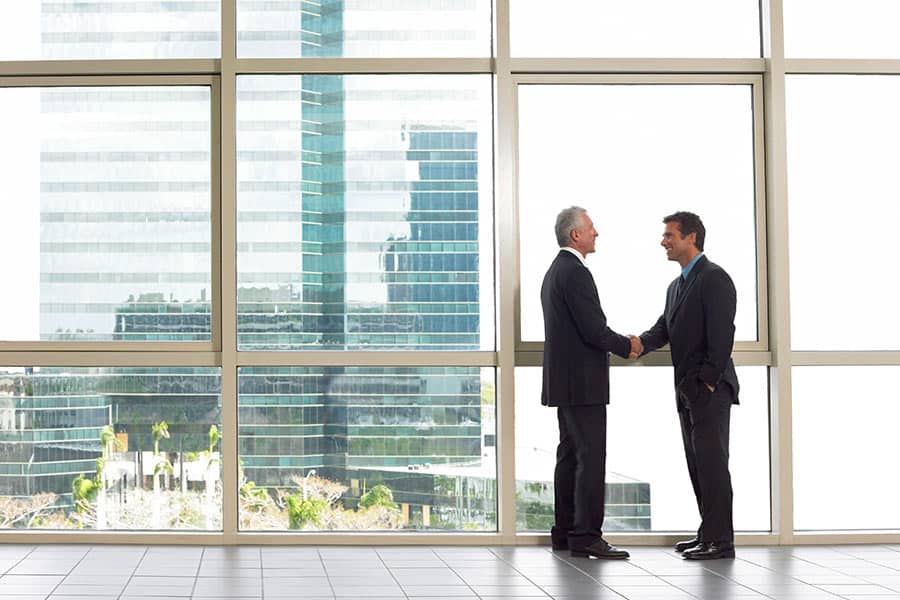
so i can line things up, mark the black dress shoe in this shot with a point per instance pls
(710, 551)
(559, 544)
(687, 545)
(600, 549)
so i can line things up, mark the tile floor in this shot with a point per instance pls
(437, 573)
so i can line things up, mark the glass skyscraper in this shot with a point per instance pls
(380, 250)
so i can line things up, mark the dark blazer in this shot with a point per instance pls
(577, 341)
(699, 327)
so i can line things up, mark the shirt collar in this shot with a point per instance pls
(576, 253)
(687, 268)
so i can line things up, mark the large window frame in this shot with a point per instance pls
(525, 348)
(773, 349)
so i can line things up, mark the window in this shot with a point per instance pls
(838, 29)
(123, 448)
(365, 28)
(358, 448)
(658, 28)
(840, 453)
(111, 219)
(842, 153)
(364, 213)
(105, 29)
(630, 155)
(647, 483)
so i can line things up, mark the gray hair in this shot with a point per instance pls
(568, 220)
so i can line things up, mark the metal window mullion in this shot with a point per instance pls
(325, 358)
(637, 65)
(69, 68)
(107, 358)
(837, 358)
(660, 358)
(778, 263)
(506, 270)
(637, 78)
(227, 317)
(93, 80)
(839, 66)
(361, 65)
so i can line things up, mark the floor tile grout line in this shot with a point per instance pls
(262, 574)
(325, 570)
(727, 579)
(555, 557)
(792, 557)
(817, 586)
(199, 567)
(869, 561)
(394, 577)
(18, 562)
(56, 587)
(446, 564)
(133, 571)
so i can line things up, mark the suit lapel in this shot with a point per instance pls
(687, 285)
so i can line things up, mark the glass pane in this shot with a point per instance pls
(842, 454)
(127, 448)
(842, 136)
(361, 448)
(647, 482)
(841, 29)
(364, 212)
(630, 155)
(657, 28)
(109, 29)
(364, 28)
(107, 213)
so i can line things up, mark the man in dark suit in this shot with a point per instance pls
(577, 343)
(698, 324)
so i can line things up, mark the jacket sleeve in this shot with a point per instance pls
(655, 337)
(719, 299)
(582, 299)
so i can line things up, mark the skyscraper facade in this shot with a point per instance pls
(358, 228)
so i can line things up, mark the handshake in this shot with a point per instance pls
(637, 348)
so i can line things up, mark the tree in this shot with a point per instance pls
(302, 511)
(23, 512)
(209, 475)
(159, 431)
(380, 495)
(109, 443)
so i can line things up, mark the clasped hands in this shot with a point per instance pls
(637, 348)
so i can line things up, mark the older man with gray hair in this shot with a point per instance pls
(577, 343)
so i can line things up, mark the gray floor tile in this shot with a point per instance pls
(42, 567)
(435, 573)
(395, 563)
(221, 570)
(149, 596)
(857, 590)
(64, 596)
(101, 589)
(432, 591)
(28, 584)
(91, 578)
(507, 591)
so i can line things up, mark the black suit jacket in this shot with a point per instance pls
(699, 327)
(577, 341)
